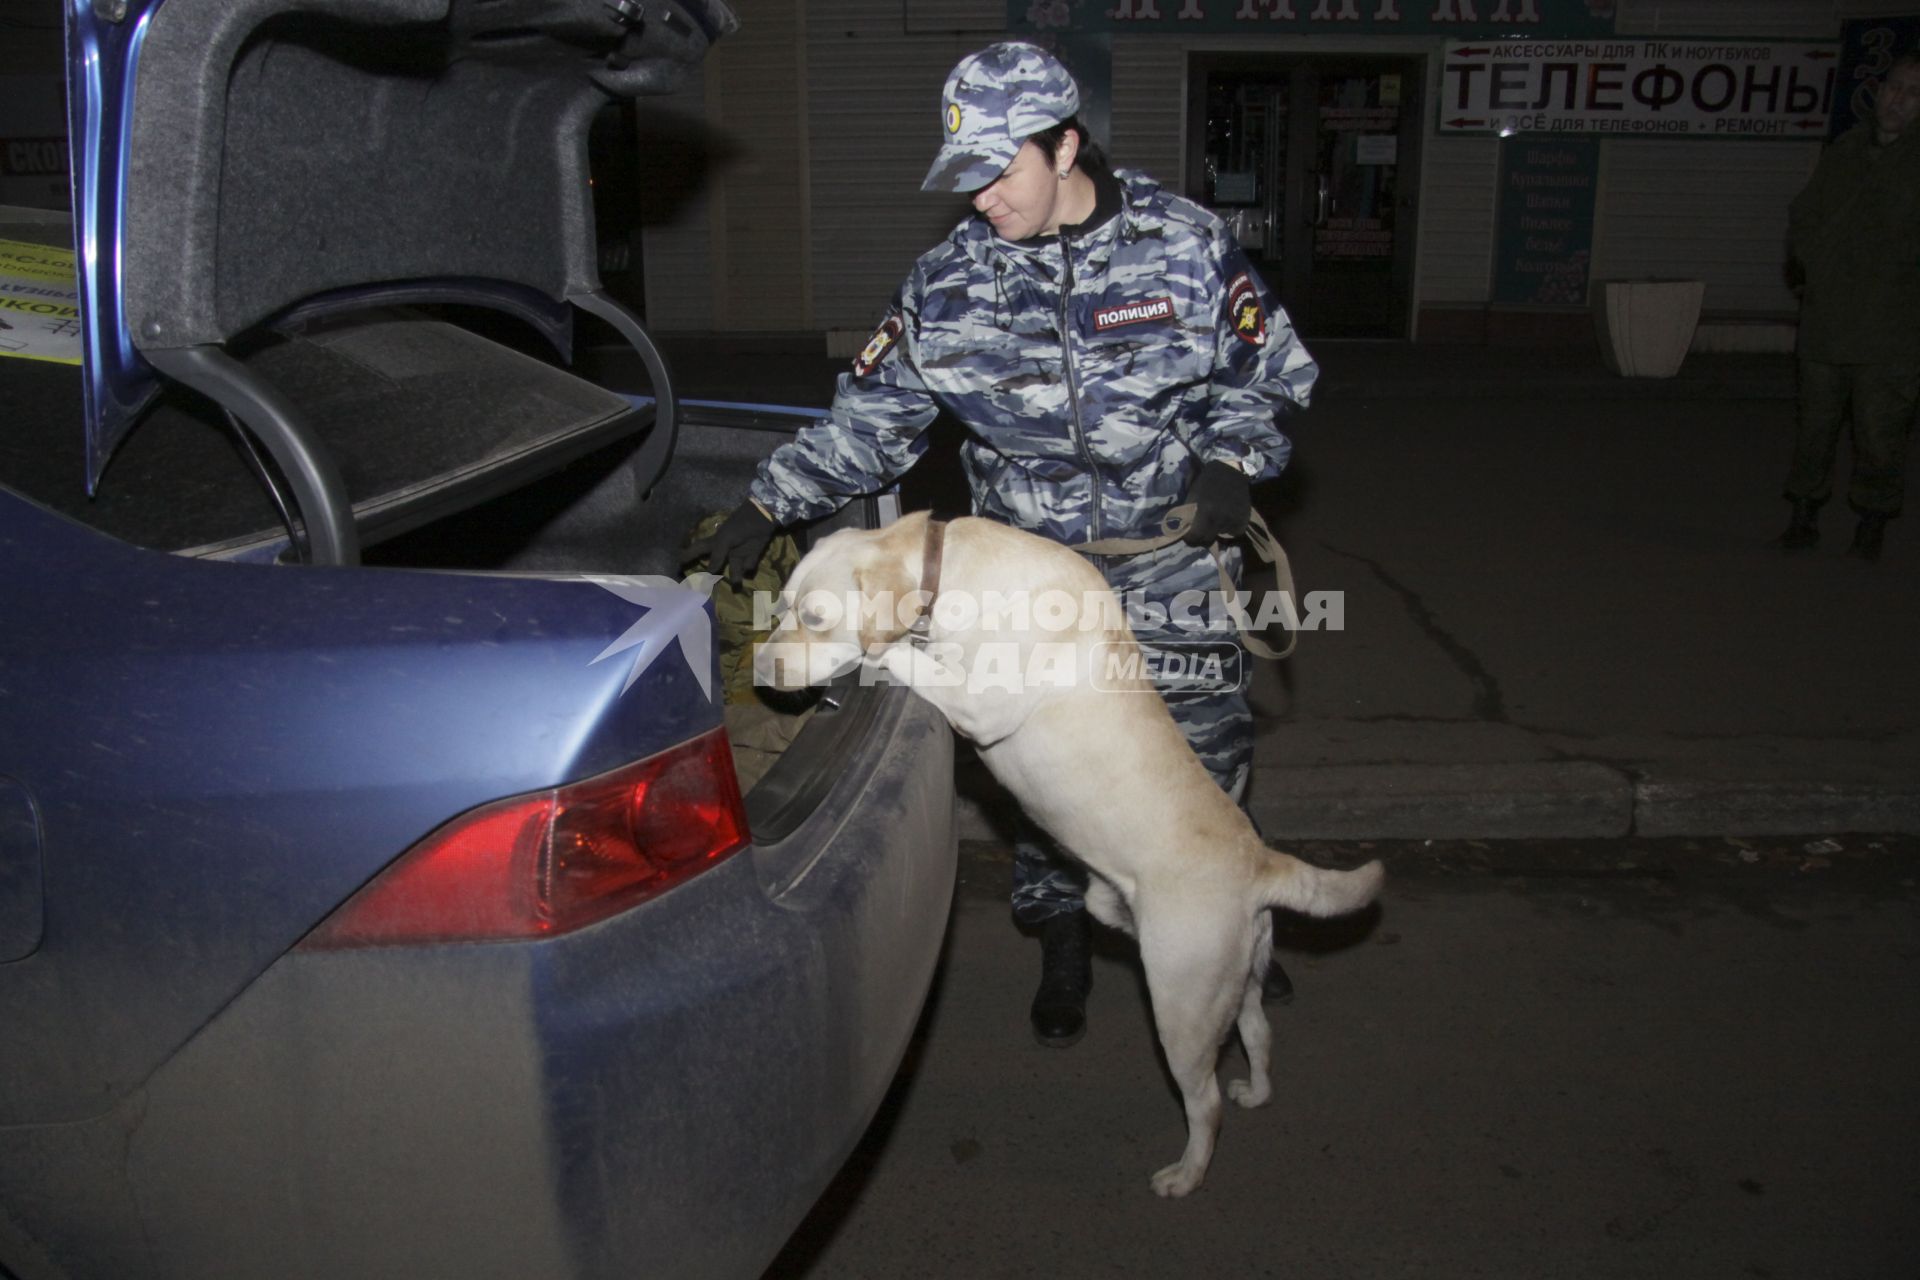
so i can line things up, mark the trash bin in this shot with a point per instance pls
(1646, 326)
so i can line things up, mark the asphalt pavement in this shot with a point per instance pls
(1607, 1059)
(1561, 612)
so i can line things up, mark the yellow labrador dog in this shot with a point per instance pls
(1019, 643)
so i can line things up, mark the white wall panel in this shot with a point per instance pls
(1459, 182)
(1799, 19)
(1805, 19)
(1713, 211)
(936, 17)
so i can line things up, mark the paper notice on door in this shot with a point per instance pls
(39, 303)
(1237, 187)
(1376, 148)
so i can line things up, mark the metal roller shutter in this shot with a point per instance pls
(873, 109)
(1149, 106)
(677, 242)
(1713, 211)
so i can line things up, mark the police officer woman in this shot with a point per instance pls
(1112, 355)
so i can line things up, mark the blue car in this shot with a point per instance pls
(378, 896)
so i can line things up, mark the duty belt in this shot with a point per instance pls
(1174, 528)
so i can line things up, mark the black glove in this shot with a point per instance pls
(1223, 500)
(736, 546)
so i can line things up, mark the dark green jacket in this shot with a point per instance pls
(1855, 231)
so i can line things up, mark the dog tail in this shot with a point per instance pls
(1316, 891)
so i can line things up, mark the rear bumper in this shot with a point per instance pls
(665, 1093)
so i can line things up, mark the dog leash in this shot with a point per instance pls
(1256, 535)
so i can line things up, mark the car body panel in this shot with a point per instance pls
(101, 58)
(754, 1023)
(22, 893)
(241, 746)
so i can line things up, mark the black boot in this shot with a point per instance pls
(1803, 531)
(1059, 1011)
(1867, 536)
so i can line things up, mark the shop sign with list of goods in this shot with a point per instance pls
(1639, 88)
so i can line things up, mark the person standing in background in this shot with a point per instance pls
(1855, 232)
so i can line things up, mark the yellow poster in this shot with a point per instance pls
(39, 303)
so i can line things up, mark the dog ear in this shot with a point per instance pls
(883, 584)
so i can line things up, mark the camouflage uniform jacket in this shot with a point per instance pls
(1094, 372)
(1855, 229)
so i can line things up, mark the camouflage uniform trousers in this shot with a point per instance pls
(1882, 399)
(1217, 722)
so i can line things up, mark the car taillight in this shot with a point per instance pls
(543, 864)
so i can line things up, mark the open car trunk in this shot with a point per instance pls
(330, 256)
(276, 198)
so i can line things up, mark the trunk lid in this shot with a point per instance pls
(249, 173)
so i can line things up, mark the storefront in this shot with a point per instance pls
(1441, 170)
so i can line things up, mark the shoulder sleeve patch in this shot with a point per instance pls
(1245, 312)
(884, 340)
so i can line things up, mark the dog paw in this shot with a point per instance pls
(1176, 1180)
(1249, 1093)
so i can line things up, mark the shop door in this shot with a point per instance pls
(1314, 163)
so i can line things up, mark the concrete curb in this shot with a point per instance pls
(1521, 801)
(1705, 807)
(1545, 800)
(1394, 802)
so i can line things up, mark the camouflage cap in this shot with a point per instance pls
(994, 100)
